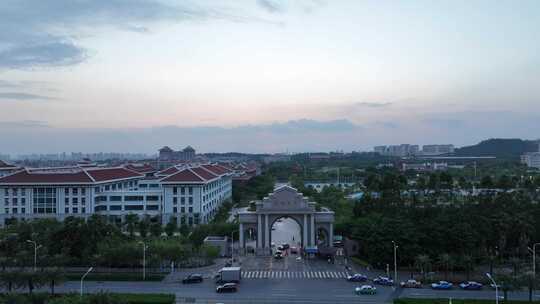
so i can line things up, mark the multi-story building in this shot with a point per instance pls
(188, 194)
(186, 154)
(531, 159)
(398, 150)
(430, 150)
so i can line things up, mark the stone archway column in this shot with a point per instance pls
(305, 229)
(266, 232)
(259, 231)
(313, 243)
(241, 235)
(331, 236)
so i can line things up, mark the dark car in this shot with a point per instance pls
(193, 278)
(278, 255)
(471, 285)
(227, 287)
(285, 246)
(383, 281)
(357, 278)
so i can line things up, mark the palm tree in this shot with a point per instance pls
(445, 260)
(423, 262)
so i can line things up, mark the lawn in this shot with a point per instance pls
(115, 276)
(454, 301)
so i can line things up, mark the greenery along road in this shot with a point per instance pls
(101, 298)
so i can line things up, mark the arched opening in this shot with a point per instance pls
(250, 240)
(286, 230)
(322, 238)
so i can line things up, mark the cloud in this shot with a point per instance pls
(24, 124)
(373, 104)
(43, 33)
(272, 6)
(17, 96)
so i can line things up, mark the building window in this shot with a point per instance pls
(190, 221)
(134, 207)
(175, 209)
(23, 192)
(190, 190)
(75, 200)
(66, 201)
(115, 207)
(15, 192)
(15, 211)
(75, 210)
(83, 201)
(23, 200)
(107, 187)
(182, 200)
(190, 199)
(175, 200)
(115, 198)
(6, 192)
(83, 191)
(7, 210)
(190, 210)
(75, 191)
(66, 210)
(152, 198)
(133, 198)
(182, 190)
(183, 209)
(15, 201)
(96, 189)
(83, 210)
(66, 191)
(152, 207)
(23, 210)
(175, 190)
(44, 200)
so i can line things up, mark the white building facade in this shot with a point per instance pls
(186, 195)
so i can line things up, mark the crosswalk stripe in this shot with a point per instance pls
(283, 274)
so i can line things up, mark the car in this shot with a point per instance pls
(285, 246)
(227, 287)
(357, 278)
(383, 281)
(365, 289)
(294, 250)
(228, 263)
(411, 284)
(193, 278)
(471, 285)
(442, 285)
(278, 255)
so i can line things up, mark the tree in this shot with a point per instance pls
(156, 229)
(170, 228)
(144, 224)
(423, 262)
(9, 279)
(468, 264)
(55, 276)
(486, 182)
(130, 222)
(531, 281)
(445, 260)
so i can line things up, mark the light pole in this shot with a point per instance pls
(144, 260)
(533, 250)
(82, 279)
(232, 245)
(36, 247)
(395, 262)
(496, 287)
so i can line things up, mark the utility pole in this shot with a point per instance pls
(82, 279)
(144, 260)
(395, 262)
(36, 247)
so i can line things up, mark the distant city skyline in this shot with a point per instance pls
(265, 75)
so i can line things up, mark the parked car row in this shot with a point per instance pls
(386, 281)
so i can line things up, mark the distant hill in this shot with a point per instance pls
(499, 147)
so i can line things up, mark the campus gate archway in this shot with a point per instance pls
(285, 201)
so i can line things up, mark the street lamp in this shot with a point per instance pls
(496, 287)
(82, 279)
(144, 260)
(395, 261)
(533, 250)
(36, 247)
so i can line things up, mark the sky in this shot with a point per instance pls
(265, 75)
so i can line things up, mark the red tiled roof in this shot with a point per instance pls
(207, 175)
(25, 177)
(141, 168)
(185, 176)
(217, 169)
(168, 171)
(107, 174)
